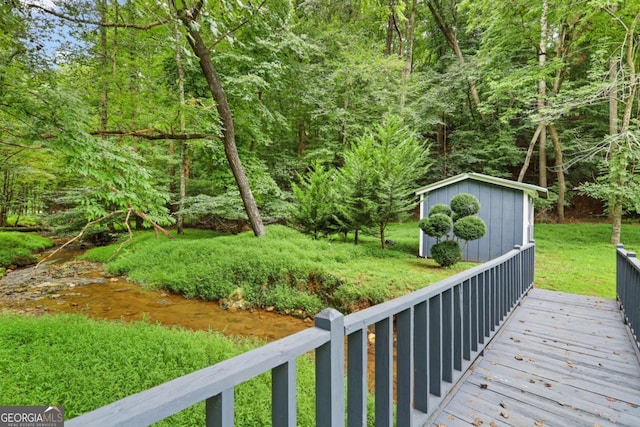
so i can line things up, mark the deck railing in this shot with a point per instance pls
(628, 289)
(427, 338)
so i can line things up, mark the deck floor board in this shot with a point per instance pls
(561, 359)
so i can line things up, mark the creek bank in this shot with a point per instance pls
(63, 284)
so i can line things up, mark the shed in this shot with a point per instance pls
(505, 206)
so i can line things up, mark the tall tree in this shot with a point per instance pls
(190, 18)
(444, 13)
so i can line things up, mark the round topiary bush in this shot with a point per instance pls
(465, 204)
(446, 253)
(437, 225)
(469, 228)
(440, 208)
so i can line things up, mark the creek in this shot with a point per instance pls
(63, 284)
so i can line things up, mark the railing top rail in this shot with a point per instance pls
(371, 315)
(166, 399)
(629, 256)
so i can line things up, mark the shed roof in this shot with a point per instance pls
(532, 190)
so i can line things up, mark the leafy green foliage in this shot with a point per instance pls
(437, 225)
(60, 354)
(315, 201)
(446, 253)
(440, 208)
(465, 204)
(469, 228)
(16, 249)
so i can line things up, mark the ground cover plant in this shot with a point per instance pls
(57, 359)
(17, 249)
(84, 364)
(284, 269)
(578, 258)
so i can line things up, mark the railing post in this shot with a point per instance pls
(219, 410)
(330, 371)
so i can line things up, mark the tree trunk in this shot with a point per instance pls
(104, 64)
(618, 161)
(228, 130)
(615, 206)
(389, 39)
(449, 33)
(183, 144)
(527, 158)
(542, 93)
(557, 149)
(408, 67)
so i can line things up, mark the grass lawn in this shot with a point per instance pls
(84, 364)
(578, 258)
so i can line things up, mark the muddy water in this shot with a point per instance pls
(125, 301)
(65, 286)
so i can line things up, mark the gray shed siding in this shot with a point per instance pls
(501, 208)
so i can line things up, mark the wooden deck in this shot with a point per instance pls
(560, 360)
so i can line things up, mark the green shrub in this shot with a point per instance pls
(284, 298)
(437, 225)
(17, 248)
(460, 217)
(440, 208)
(446, 253)
(465, 204)
(469, 228)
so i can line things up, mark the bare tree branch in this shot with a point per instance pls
(155, 134)
(99, 23)
(79, 235)
(237, 27)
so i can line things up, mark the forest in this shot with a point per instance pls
(325, 113)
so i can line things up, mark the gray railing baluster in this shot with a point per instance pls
(435, 346)
(357, 378)
(458, 320)
(283, 395)
(384, 372)
(220, 409)
(467, 321)
(476, 314)
(421, 358)
(495, 298)
(447, 334)
(487, 304)
(405, 368)
(482, 308)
